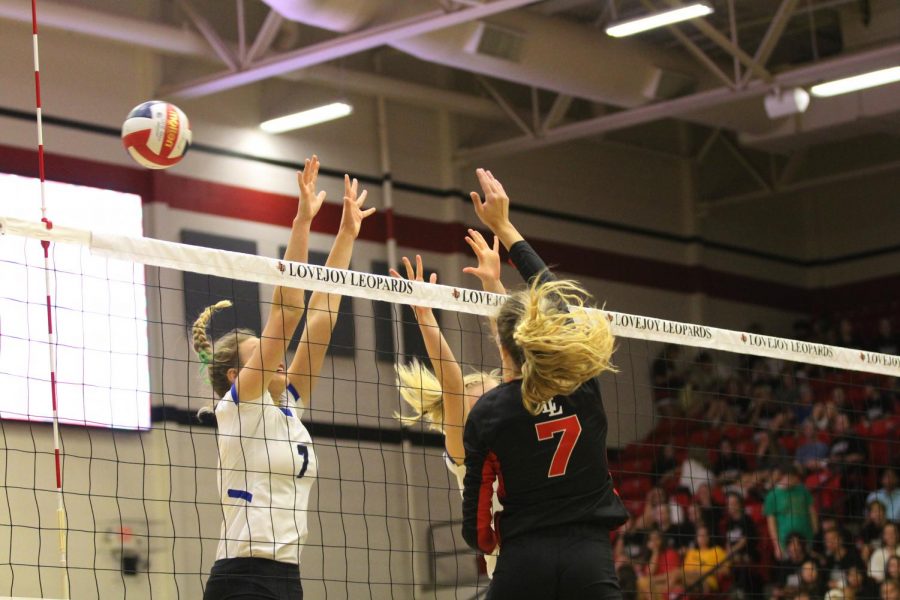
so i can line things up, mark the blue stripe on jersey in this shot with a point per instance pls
(294, 392)
(286, 411)
(241, 494)
(234, 395)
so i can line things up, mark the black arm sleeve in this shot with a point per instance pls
(531, 266)
(528, 263)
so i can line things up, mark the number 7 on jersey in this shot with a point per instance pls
(571, 430)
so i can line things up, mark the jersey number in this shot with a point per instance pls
(571, 429)
(304, 452)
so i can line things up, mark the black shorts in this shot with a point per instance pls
(253, 579)
(572, 562)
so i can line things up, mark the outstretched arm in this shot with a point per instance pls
(287, 303)
(323, 307)
(446, 369)
(493, 211)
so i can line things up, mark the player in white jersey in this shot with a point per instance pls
(443, 396)
(267, 462)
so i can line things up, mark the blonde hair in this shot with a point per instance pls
(554, 339)
(421, 390)
(219, 356)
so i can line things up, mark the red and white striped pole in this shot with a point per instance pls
(51, 335)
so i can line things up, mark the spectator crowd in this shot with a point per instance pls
(765, 479)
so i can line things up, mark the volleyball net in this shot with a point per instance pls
(697, 415)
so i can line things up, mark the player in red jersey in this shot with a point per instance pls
(542, 434)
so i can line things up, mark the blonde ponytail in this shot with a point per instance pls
(555, 340)
(421, 390)
(218, 357)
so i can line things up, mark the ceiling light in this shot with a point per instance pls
(307, 118)
(857, 82)
(660, 19)
(784, 103)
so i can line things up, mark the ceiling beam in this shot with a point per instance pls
(362, 82)
(187, 42)
(264, 37)
(746, 164)
(552, 7)
(696, 51)
(87, 21)
(507, 108)
(733, 29)
(535, 110)
(803, 184)
(725, 44)
(222, 50)
(789, 172)
(773, 35)
(341, 46)
(686, 105)
(707, 145)
(557, 112)
(242, 31)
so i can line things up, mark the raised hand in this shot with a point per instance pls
(488, 269)
(310, 201)
(493, 211)
(415, 275)
(353, 214)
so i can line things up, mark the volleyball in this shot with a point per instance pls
(156, 134)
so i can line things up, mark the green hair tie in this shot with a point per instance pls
(205, 359)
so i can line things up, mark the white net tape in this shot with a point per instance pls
(378, 287)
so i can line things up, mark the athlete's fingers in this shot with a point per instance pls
(409, 269)
(495, 184)
(476, 235)
(476, 202)
(306, 170)
(484, 180)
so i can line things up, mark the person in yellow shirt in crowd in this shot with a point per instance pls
(702, 559)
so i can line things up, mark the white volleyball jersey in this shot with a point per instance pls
(460, 472)
(267, 467)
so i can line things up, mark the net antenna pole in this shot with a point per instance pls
(51, 335)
